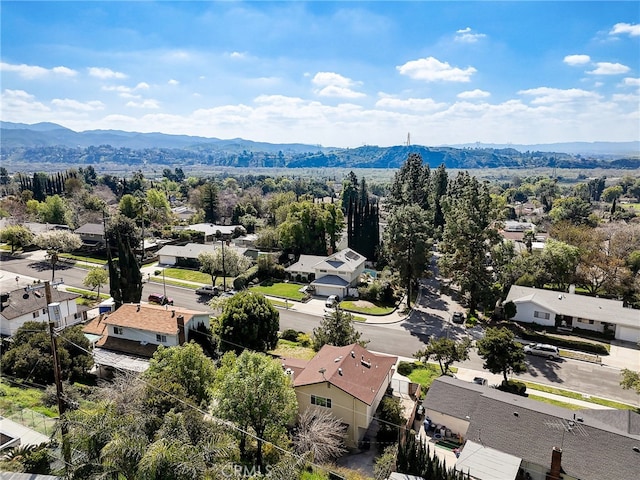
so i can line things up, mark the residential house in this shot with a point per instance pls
(28, 305)
(337, 274)
(509, 436)
(212, 232)
(92, 235)
(187, 255)
(560, 309)
(129, 336)
(349, 381)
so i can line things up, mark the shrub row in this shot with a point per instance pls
(596, 348)
(241, 281)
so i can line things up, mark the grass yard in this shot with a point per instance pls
(558, 403)
(280, 289)
(366, 307)
(189, 275)
(15, 397)
(289, 349)
(425, 374)
(175, 283)
(79, 258)
(87, 293)
(578, 396)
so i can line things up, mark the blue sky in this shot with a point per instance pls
(330, 73)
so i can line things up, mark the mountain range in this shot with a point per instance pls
(53, 143)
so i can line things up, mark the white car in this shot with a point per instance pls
(331, 301)
(543, 350)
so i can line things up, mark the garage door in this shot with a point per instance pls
(628, 334)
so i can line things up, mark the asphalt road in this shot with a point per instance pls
(402, 339)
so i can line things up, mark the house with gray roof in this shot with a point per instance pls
(92, 234)
(539, 439)
(22, 305)
(560, 309)
(336, 274)
(212, 231)
(187, 255)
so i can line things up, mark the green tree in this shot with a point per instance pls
(128, 206)
(612, 193)
(468, 237)
(390, 420)
(17, 236)
(248, 321)
(253, 391)
(96, 277)
(159, 209)
(571, 209)
(336, 328)
(445, 351)
(210, 202)
(630, 380)
(212, 263)
(125, 279)
(501, 353)
(178, 377)
(29, 355)
(56, 242)
(54, 210)
(410, 185)
(407, 244)
(561, 261)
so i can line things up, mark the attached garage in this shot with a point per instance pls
(629, 333)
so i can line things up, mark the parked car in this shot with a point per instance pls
(457, 317)
(331, 301)
(160, 299)
(480, 380)
(208, 290)
(543, 350)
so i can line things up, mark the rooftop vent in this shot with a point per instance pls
(340, 371)
(337, 359)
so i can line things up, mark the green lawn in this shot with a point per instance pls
(79, 258)
(569, 406)
(14, 397)
(425, 374)
(175, 283)
(372, 309)
(579, 396)
(289, 349)
(87, 293)
(189, 275)
(280, 289)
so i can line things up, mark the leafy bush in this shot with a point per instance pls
(290, 334)
(241, 281)
(304, 339)
(405, 368)
(514, 386)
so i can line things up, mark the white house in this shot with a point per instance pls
(187, 255)
(212, 231)
(136, 330)
(20, 306)
(332, 275)
(347, 381)
(560, 309)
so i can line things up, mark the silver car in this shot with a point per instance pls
(543, 350)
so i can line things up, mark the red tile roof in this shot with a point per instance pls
(352, 368)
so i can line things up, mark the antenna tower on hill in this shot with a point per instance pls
(408, 139)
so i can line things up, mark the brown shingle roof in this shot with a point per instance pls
(352, 368)
(152, 318)
(130, 347)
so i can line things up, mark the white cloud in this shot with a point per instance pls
(332, 84)
(631, 82)
(173, 82)
(71, 104)
(105, 73)
(149, 103)
(20, 106)
(548, 95)
(126, 92)
(141, 86)
(238, 55)
(413, 104)
(606, 68)
(465, 35)
(477, 93)
(35, 71)
(577, 59)
(431, 69)
(632, 29)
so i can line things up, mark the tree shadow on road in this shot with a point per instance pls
(43, 265)
(545, 368)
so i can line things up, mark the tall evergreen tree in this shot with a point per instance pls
(468, 237)
(210, 202)
(125, 279)
(410, 184)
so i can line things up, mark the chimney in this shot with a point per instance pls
(180, 322)
(556, 468)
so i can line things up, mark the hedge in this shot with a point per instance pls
(241, 281)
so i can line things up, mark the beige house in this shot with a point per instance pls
(350, 381)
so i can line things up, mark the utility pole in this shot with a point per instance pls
(62, 407)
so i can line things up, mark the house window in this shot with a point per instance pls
(544, 315)
(161, 338)
(320, 401)
(36, 314)
(44, 310)
(117, 330)
(323, 271)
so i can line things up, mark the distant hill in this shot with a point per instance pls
(52, 143)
